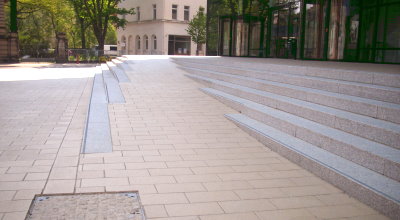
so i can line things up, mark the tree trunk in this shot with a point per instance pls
(198, 49)
(101, 40)
(83, 35)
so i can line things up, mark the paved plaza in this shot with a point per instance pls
(171, 142)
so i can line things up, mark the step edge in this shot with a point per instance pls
(231, 116)
(307, 89)
(371, 150)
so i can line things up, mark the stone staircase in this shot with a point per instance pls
(106, 90)
(342, 125)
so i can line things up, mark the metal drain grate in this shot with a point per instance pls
(110, 205)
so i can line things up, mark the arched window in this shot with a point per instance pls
(146, 42)
(138, 42)
(154, 39)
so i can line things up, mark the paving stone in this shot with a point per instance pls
(172, 143)
(193, 209)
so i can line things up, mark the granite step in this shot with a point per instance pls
(374, 78)
(368, 107)
(377, 157)
(122, 64)
(377, 92)
(380, 131)
(118, 73)
(113, 91)
(372, 188)
(97, 137)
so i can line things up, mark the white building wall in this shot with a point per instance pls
(162, 27)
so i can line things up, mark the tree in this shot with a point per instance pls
(100, 13)
(39, 22)
(197, 29)
(82, 21)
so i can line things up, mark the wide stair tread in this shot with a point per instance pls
(306, 89)
(332, 85)
(114, 92)
(360, 150)
(365, 77)
(332, 117)
(369, 107)
(119, 73)
(369, 181)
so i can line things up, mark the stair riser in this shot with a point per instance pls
(383, 79)
(354, 90)
(372, 133)
(344, 150)
(354, 189)
(334, 102)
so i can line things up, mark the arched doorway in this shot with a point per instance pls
(154, 44)
(130, 45)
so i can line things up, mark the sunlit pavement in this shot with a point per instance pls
(171, 142)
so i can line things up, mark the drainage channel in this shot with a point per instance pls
(105, 90)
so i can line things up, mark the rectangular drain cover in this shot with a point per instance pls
(109, 205)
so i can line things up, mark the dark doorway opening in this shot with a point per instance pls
(178, 45)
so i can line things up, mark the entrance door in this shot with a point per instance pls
(178, 45)
(285, 31)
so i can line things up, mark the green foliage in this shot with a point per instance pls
(197, 27)
(99, 14)
(40, 20)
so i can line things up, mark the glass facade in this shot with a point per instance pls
(345, 30)
(178, 45)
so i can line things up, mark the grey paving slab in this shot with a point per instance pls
(98, 89)
(98, 132)
(114, 92)
(379, 183)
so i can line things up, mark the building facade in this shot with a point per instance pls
(158, 27)
(343, 30)
(8, 35)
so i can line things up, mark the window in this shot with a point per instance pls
(138, 42)
(155, 43)
(174, 12)
(179, 45)
(138, 13)
(186, 13)
(146, 42)
(154, 12)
